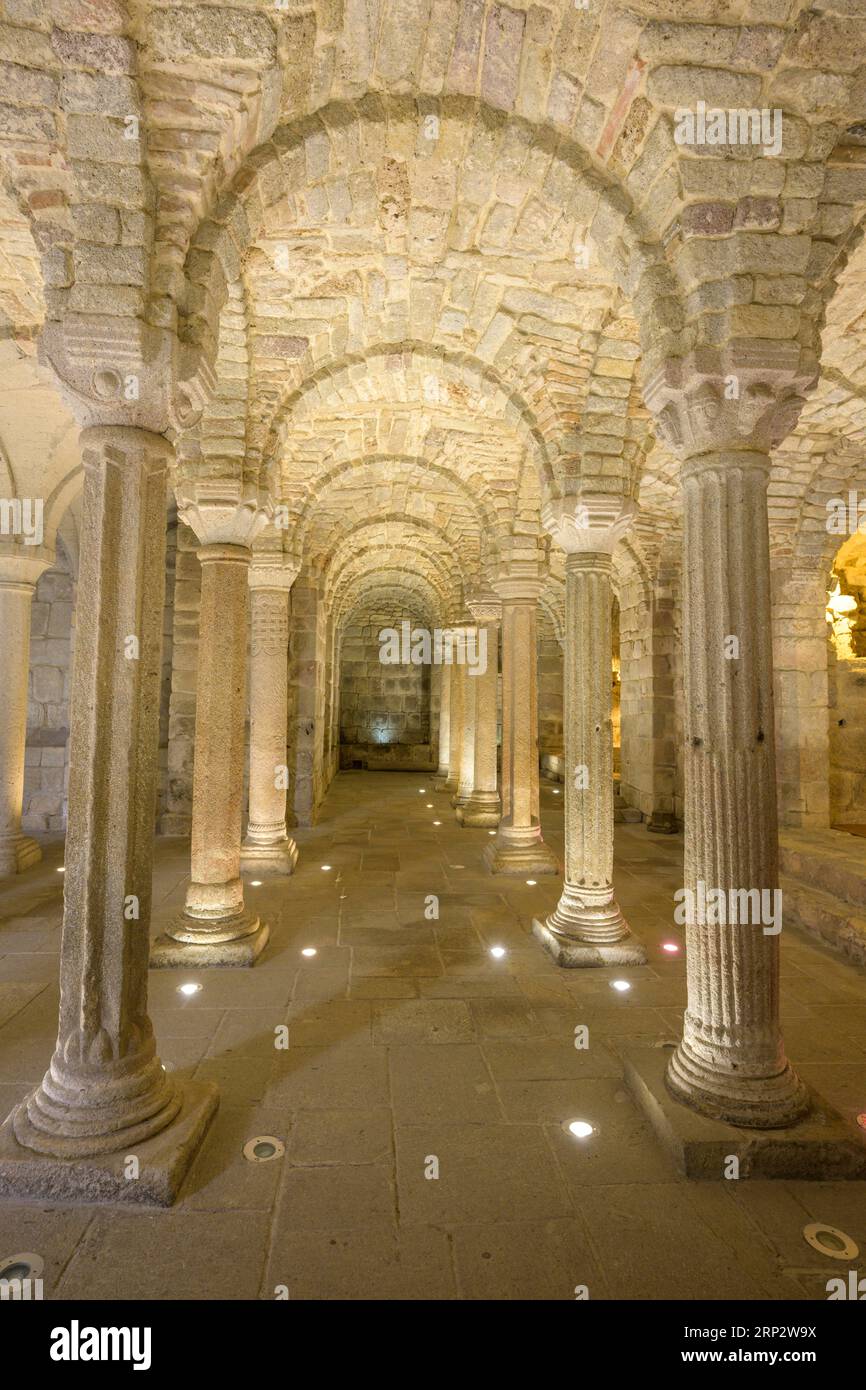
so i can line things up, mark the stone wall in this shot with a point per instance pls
(847, 741)
(47, 752)
(385, 709)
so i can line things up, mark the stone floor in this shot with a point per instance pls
(409, 1042)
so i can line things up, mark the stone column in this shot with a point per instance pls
(20, 568)
(730, 1063)
(106, 1096)
(454, 674)
(466, 773)
(519, 847)
(215, 928)
(587, 926)
(484, 807)
(267, 847)
(444, 720)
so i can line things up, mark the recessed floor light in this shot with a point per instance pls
(581, 1129)
(26, 1265)
(190, 988)
(429, 805)
(62, 869)
(620, 985)
(308, 951)
(555, 791)
(263, 1148)
(437, 822)
(326, 868)
(830, 1241)
(255, 883)
(671, 947)
(497, 952)
(531, 882)
(491, 832)
(421, 791)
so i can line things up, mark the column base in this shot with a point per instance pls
(163, 1161)
(583, 932)
(18, 853)
(189, 945)
(571, 952)
(774, 1102)
(821, 1146)
(662, 823)
(279, 857)
(483, 809)
(506, 857)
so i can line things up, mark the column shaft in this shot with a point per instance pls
(519, 847)
(731, 1062)
(484, 807)
(455, 726)
(444, 720)
(468, 686)
(267, 846)
(17, 851)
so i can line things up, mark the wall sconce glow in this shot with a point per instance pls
(581, 1129)
(189, 989)
(308, 951)
(671, 947)
(497, 952)
(620, 985)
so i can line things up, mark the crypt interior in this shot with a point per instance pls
(339, 965)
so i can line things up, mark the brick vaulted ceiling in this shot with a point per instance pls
(425, 245)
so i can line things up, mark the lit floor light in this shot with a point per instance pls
(491, 832)
(326, 868)
(308, 951)
(429, 805)
(188, 989)
(497, 952)
(531, 882)
(255, 883)
(581, 1129)
(555, 791)
(620, 985)
(62, 869)
(671, 947)
(437, 822)
(421, 791)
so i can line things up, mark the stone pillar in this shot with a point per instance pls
(466, 773)
(519, 847)
(20, 568)
(455, 718)
(215, 928)
(267, 847)
(730, 1063)
(484, 807)
(444, 720)
(587, 926)
(106, 1096)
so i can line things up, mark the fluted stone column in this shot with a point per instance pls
(455, 723)
(444, 720)
(730, 1063)
(215, 927)
(587, 926)
(484, 807)
(518, 847)
(468, 685)
(268, 848)
(20, 568)
(106, 1096)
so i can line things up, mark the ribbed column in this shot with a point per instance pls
(18, 575)
(587, 926)
(519, 847)
(731, 1062)
(215, 927)
(268, 848)
(106, 1089)
(444, 720)
(468, 688)
(484, 807)
(454, 675)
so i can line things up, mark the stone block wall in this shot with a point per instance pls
(47, 751)
(385, 710)
(848, 742)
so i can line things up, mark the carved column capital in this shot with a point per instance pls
(221, 511)
(588, 523)
(746, 396)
